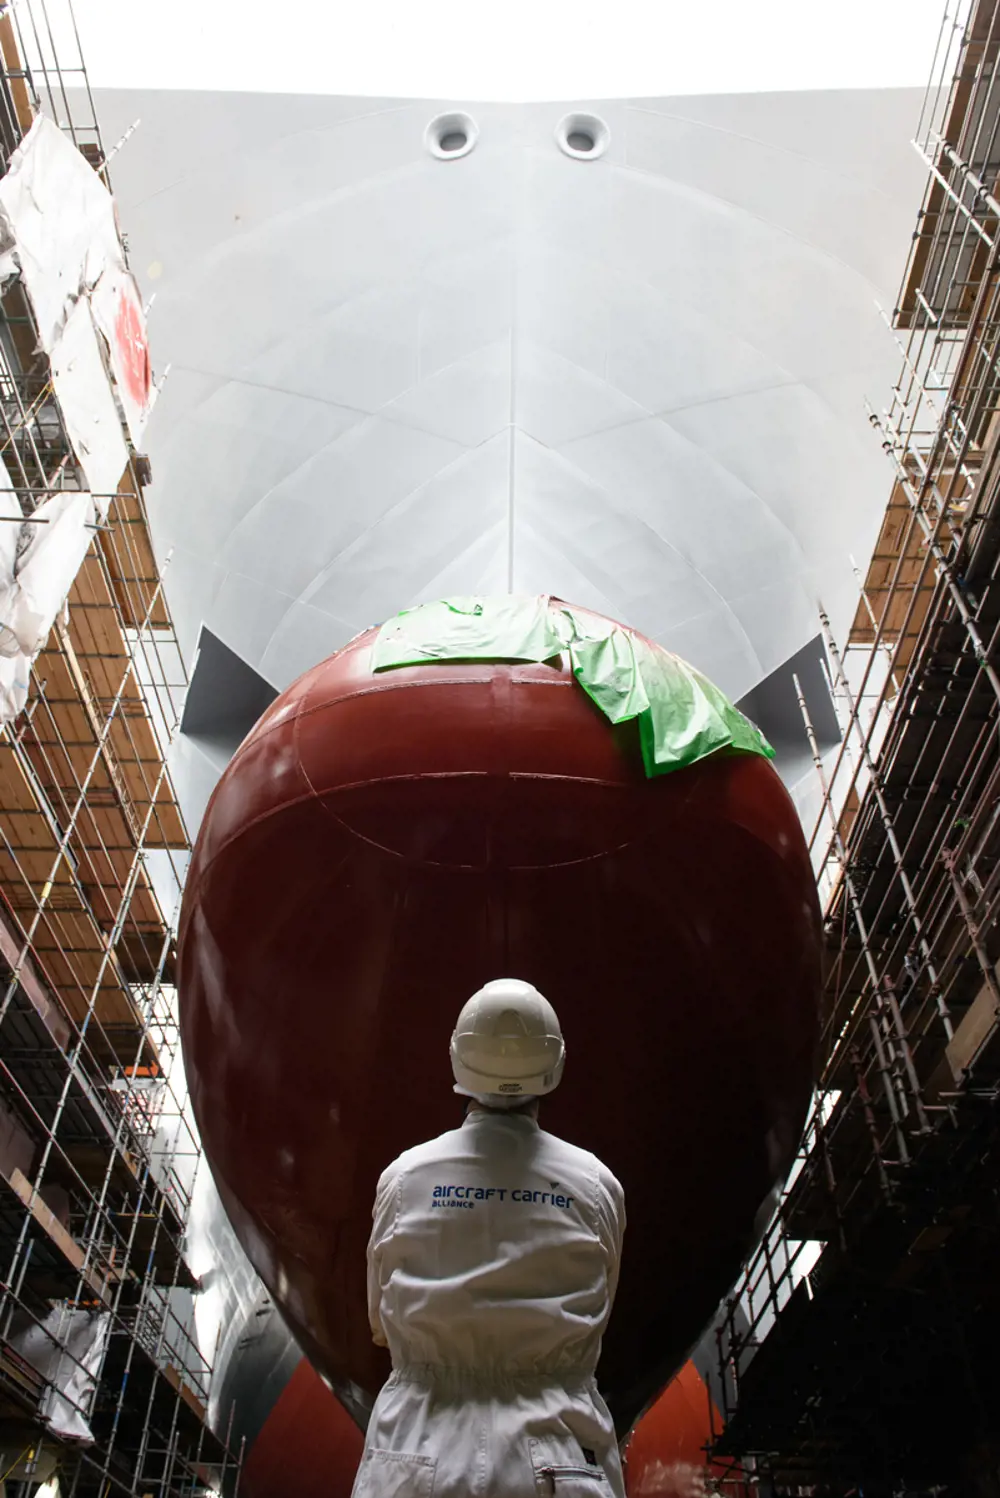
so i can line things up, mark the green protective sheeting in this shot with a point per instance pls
(682, 717)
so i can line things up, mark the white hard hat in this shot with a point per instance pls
(507, 1043)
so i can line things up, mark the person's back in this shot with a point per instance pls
(524, 1230)
(493, 1264)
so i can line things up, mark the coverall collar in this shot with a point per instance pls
(524, 1120)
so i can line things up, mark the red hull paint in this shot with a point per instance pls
(309, 1447)
(666, 1455)
(380, 847)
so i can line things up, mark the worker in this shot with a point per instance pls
(492, 1269)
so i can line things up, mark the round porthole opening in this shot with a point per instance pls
(585, 137)
(451, 136)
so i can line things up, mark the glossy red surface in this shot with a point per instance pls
(666, 1456)
(379, 848)
(309, 1448)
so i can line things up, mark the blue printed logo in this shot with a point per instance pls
(467, 1196)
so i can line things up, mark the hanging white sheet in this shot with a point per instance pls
(14, 664)
(67, 1350)
(59, 228)
(58, 225)
(14, 678)
(60, 531)
(39, 558)
(59, 220)
(80, 382)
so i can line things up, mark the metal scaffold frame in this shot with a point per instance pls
(102, 1381)
(857, 1350)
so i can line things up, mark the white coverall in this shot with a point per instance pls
(492, 1268)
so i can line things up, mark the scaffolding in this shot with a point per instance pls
(103, 1386)
(857, 1352)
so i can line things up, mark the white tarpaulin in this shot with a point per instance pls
(39, 558)
(93, 424)
(67, 1350)
(13, 538)
(60, 531)
(58, 219)
(58, 225)
(14, 664)
(14, 676)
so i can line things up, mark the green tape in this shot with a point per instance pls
(682, 717)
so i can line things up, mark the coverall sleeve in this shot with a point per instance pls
(383, 1217)
(611, 1224)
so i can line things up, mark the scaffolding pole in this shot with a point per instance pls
(98, 1152)
(894, 1184)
